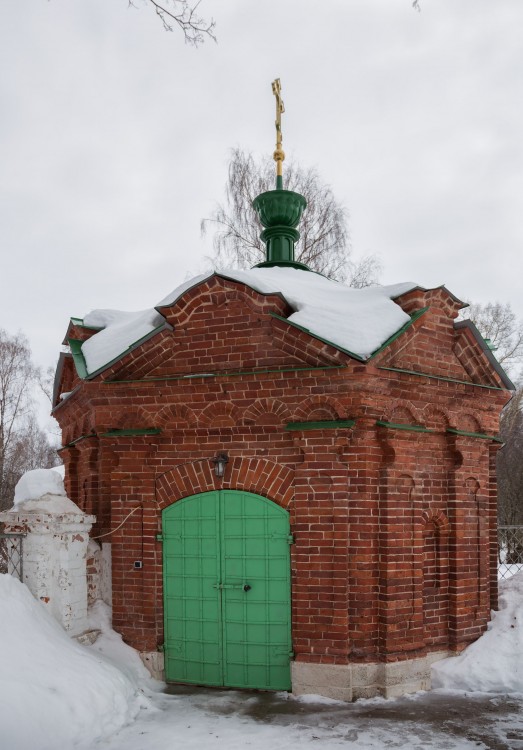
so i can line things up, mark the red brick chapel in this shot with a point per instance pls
(294, 480)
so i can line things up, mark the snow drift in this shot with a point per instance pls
(54, 693)
(494, 663)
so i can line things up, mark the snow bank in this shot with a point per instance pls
(359, 320)
(494, 663)
(110, 644)
(54, 693)
(34, 484)
(60, 469)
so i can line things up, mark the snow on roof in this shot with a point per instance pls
(357, 320)
(120, 330)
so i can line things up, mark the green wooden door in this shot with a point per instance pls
(227, 591)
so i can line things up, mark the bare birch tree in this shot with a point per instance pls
(510, 463)
(498, 324)
(324, 243)
(23, 445)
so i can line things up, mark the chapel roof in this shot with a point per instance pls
(358, 322)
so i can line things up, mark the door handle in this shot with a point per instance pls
(244, 586)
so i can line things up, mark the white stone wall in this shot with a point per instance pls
(99, 572)
(54, 557)
(106, 575)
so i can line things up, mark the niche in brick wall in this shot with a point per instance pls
(435, 578)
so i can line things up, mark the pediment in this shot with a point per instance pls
(439, 347)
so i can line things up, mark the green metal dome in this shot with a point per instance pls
(280, 212)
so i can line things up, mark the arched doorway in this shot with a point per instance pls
(227, 604)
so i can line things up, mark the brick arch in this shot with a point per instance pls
(132, 419)
(219, 414)
(266, 411)
(216, 291)
(405, 484)
(437, 518)
(175, 415)
(435, 418)
(319, 408)
(401, 412)
(257, 475)
(468, 423)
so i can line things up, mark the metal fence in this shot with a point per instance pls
(510, 551)
(11, 559)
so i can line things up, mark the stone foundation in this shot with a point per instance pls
(348, 682)
(345, 682)
(154, 662)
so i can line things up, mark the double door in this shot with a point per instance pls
(227, 591)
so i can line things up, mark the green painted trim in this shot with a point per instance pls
(408, 427)
(325, 425)
(479, 435)
(80, 322)
(439, 377)
(284, 263)
(227, 374)
(78, 357)
(77, 440)
(132, 433)
(315, 336)
(389, 341)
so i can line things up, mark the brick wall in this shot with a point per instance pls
(394, 527)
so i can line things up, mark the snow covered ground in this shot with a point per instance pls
(58, 695)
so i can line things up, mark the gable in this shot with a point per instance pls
(217, 331)
(438, 346)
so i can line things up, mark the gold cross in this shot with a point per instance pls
(279, 155)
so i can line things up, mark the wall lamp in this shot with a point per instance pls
(220, 461)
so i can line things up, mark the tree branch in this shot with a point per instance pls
(195, 28)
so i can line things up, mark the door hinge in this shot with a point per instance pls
(160, 647)
(290, 539)
(283, 652)
(159, 537)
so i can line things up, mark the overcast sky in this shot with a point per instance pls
(115, 137)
